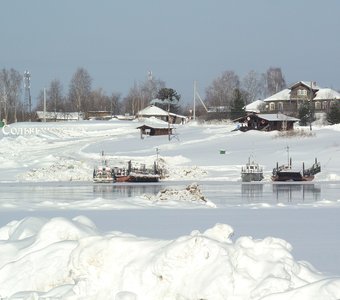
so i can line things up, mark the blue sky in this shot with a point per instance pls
(180, 41)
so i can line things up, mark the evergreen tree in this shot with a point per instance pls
(169, 99)
(306, 114)
(333, 116)
(237, 106)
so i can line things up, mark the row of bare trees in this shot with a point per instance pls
(253, 86)
(80, 97)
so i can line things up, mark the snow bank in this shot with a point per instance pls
(70, 259)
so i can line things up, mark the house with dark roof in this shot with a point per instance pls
(265, 122)
(289, 100)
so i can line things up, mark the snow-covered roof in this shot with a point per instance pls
(277, 117)
(283, 95)
(308, 84)
(327, 93)
(155, 123)
(152, 110)
(254, 106)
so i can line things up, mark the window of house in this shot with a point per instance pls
(324, 105)
(302, 92)
(280, 106)
(317, 105)
(332, 103)
(271, 106)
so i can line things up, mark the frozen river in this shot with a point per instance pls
(305, 215)
(224, 194)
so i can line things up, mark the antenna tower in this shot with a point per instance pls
(27, 93)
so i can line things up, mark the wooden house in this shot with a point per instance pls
(265, 122)
(289, 100)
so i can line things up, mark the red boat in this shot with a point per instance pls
(136, 174)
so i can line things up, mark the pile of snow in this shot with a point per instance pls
(61, 169)
(192, 193)
(60, 258)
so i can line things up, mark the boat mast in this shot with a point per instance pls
(289, 161)
(194, 110)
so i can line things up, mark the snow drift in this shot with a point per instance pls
(60, 258)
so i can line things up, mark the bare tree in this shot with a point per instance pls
(140, 95)
(275, 81)
(149, 90)
(131, 101)
(55, 96)
(115, 107)
(55, 100)
(80, 90)
(220, 92)
(253, 85)
(10, 83)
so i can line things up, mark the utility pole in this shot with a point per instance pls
(310, 105)
(194, 110)
(44, 105)
(27, 93)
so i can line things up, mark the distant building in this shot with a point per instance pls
(98, 115)
(42, 116)
(265, 122)
(289, 100)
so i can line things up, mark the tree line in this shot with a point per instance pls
(227, 92)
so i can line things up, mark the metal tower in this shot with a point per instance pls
(27, 93)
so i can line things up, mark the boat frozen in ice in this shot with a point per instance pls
(252, 171)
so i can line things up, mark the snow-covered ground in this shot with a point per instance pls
(70, 258)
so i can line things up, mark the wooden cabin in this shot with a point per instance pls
(155, 130)
(265, 122)
(153, 126)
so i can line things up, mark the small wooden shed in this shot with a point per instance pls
(266, 122)
(154, 126)
(154, 130)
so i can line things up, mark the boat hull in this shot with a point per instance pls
(249, 177)
(291, 176)
(137, 178)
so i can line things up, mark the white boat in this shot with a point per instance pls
(252, 171)
(103, 173)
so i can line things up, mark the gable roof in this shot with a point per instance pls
(283, 95)
(254, 106)
(268, 117)
(327, 94)
(307, 84)
(320, 93)
(152, 110)
(155, 123)
(277, 117)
